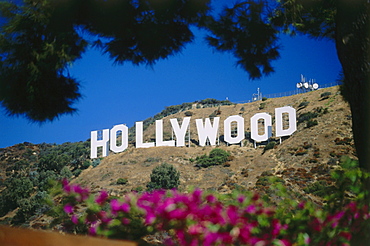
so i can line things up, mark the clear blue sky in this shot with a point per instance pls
(124, 94)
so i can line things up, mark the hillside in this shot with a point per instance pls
(301, 161)
(308, 148)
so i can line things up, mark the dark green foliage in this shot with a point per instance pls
(307, 116)
(77, 172)
(29, 176)
(153, 159)
(36, 85)
(45, 179)
(264, 99)
(121, 181)
(16, 190)
(243, 30)
(41, 39)
(325, 95)
(188, 113)
(138, 189)
(216, 157)
(262, 106)
(86, 164)
(95, 162)
(212, 115)
(164, 176)
(303, 104)
(270, 145)
(210, 102)
(311, 123)
(343, 141)
(28, 207)
(66, 173)
(350, 183)
(319, 188)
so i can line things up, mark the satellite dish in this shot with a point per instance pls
(299, 85)
(305, 84)
(315, 86)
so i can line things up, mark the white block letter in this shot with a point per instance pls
(240, 129)
(207, 131)
(180, 132)
(113, 138)
(254, 127)
(139, 136)
(95, 143)
(280, 132)
(159, 135)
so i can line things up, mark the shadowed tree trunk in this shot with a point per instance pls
(352, 43)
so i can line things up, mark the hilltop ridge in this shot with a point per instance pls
(309, 147)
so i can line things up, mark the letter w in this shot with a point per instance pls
(207, 130)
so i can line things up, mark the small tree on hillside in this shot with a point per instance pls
(164, 176)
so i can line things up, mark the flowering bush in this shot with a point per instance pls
(203, 218)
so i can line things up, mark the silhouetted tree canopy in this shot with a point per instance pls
(42, 37)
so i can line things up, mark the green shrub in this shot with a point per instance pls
(264, 98)
(121, 181)
(77, 172)
(214, 114)
(95, 162)
(319, 188)
(29, 207)
(307, 116)
(86, 164)
(164, 176)
(270, 145)
(138, 189)
(188, 113)
(303, 104)
(66, 173)
(325, 95)
(216, 157)
(16, 190)
(153, 159)
(311, 123)
(262, 106)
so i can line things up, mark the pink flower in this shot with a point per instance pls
(196, 196)
(103, 195)
(125, 208)
(115, 206)
(126, 221)
(149, 218)
(232, 213)
(195, 229)
(211, 198)
(66, 186)
(68, 208)
(92, 230)
(251, 209)
(241, 199)
(74, 219)
(284, 242)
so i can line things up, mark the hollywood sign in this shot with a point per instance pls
(206, 130)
